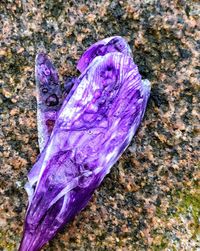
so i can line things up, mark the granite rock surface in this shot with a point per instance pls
(151, 198)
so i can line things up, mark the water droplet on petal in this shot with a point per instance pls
(52, 100)
(44, 90)
(45, 69)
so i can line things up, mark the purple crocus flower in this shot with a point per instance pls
(95, 124)
(49, 94)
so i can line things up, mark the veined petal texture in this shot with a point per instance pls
(93, 128)
(49, 94)
(101, 48)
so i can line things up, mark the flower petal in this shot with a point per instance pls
(93, 128)
(101, 48)
(49, 97)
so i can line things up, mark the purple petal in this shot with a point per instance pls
(94, 127)
(101, 48)
(49, 97)
(70, 86)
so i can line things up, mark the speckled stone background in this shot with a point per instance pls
(151, 198)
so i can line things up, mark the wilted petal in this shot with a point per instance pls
(101, 48)
(49, 97)
(44, 133)
(94, 127)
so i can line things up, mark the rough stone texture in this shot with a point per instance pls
(151, 198)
